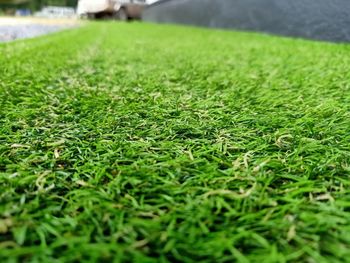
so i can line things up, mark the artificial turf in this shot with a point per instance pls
(148, 143)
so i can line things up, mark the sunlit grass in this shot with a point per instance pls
(146, 143)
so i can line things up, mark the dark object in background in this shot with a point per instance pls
(322, 19)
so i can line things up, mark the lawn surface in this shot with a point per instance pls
(146, 143)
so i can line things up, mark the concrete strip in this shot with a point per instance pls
(19, 28)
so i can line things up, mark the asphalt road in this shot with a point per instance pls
(327, 20)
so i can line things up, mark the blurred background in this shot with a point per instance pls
(326, 20)
(29, 7)
(32, 7)
(29, 18)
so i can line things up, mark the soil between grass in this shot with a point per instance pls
(149, 143)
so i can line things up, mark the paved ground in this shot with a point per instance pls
(18, 28)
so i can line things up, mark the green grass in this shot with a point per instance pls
(147, 143)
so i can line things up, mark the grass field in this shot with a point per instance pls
(148, 143)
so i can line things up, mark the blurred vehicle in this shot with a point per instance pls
(56, 12)
(118, 9)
